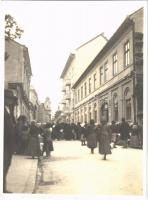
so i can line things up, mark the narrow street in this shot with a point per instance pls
(71, 169)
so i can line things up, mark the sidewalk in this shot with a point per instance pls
(22, 174)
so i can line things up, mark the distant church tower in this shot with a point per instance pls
(47, 106)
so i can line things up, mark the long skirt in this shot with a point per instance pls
(33, 147)
(92, 140)
(104, 145)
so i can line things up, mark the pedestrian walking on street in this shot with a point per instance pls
(124, 131)
(104, 138)
(83, 135)
(10, 102)
(48, 144)
(91, 136)
(34, 146)
(114, 133)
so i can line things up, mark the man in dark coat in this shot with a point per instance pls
(124, 131)
(9, 133)
(91, 136)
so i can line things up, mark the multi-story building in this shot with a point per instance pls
(18, 74)
(44, 111)
(34, 103)
(76, 64)
(112, 84)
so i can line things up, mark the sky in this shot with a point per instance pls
(53, 29)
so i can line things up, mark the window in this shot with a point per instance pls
(78, 95)
(127, 96)
(105, 71)
(85, 117)
(89, 113)
(115, 107)
(81, 116)
(95, 80)
(75, 97)
(78, 116)
(101, 75)
(85, 114)
(82, 92)
(115, 64)
(127, 54)
(85, 89)
(128, 109)
(89, 85)
(95, 113)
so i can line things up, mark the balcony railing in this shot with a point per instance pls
(67, 82)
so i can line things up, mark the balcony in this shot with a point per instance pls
(67, 96)
(67, 82)
(63, 102)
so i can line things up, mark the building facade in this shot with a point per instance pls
(18, 74)
(34, 104)
(44, 111)
(112, 85)
(109, 83)
(77, 63)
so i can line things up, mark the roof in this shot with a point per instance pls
(102, 34)
(72, 55)
(126, 23)
(70, 58)
(25, 51)
(140, 9)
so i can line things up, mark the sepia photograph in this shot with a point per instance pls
(73, 85)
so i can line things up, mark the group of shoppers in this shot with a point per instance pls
(36, 139)
(109, 135)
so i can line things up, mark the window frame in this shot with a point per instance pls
(126, 53)
(115, 63)
(101, 75)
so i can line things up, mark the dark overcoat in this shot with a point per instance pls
(33, 146)
(104, 137)
(124, 130)
(91, 136)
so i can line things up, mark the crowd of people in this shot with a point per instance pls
(36, 139)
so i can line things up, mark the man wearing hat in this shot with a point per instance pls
(10, 102)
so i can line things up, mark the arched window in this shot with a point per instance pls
(127, 99)
(78, 117)
(95, 113)
(89, 113)
(81, 115)
(115, 107)
(85, 114)
(104, 111)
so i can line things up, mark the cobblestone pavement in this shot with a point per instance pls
(71, 169)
